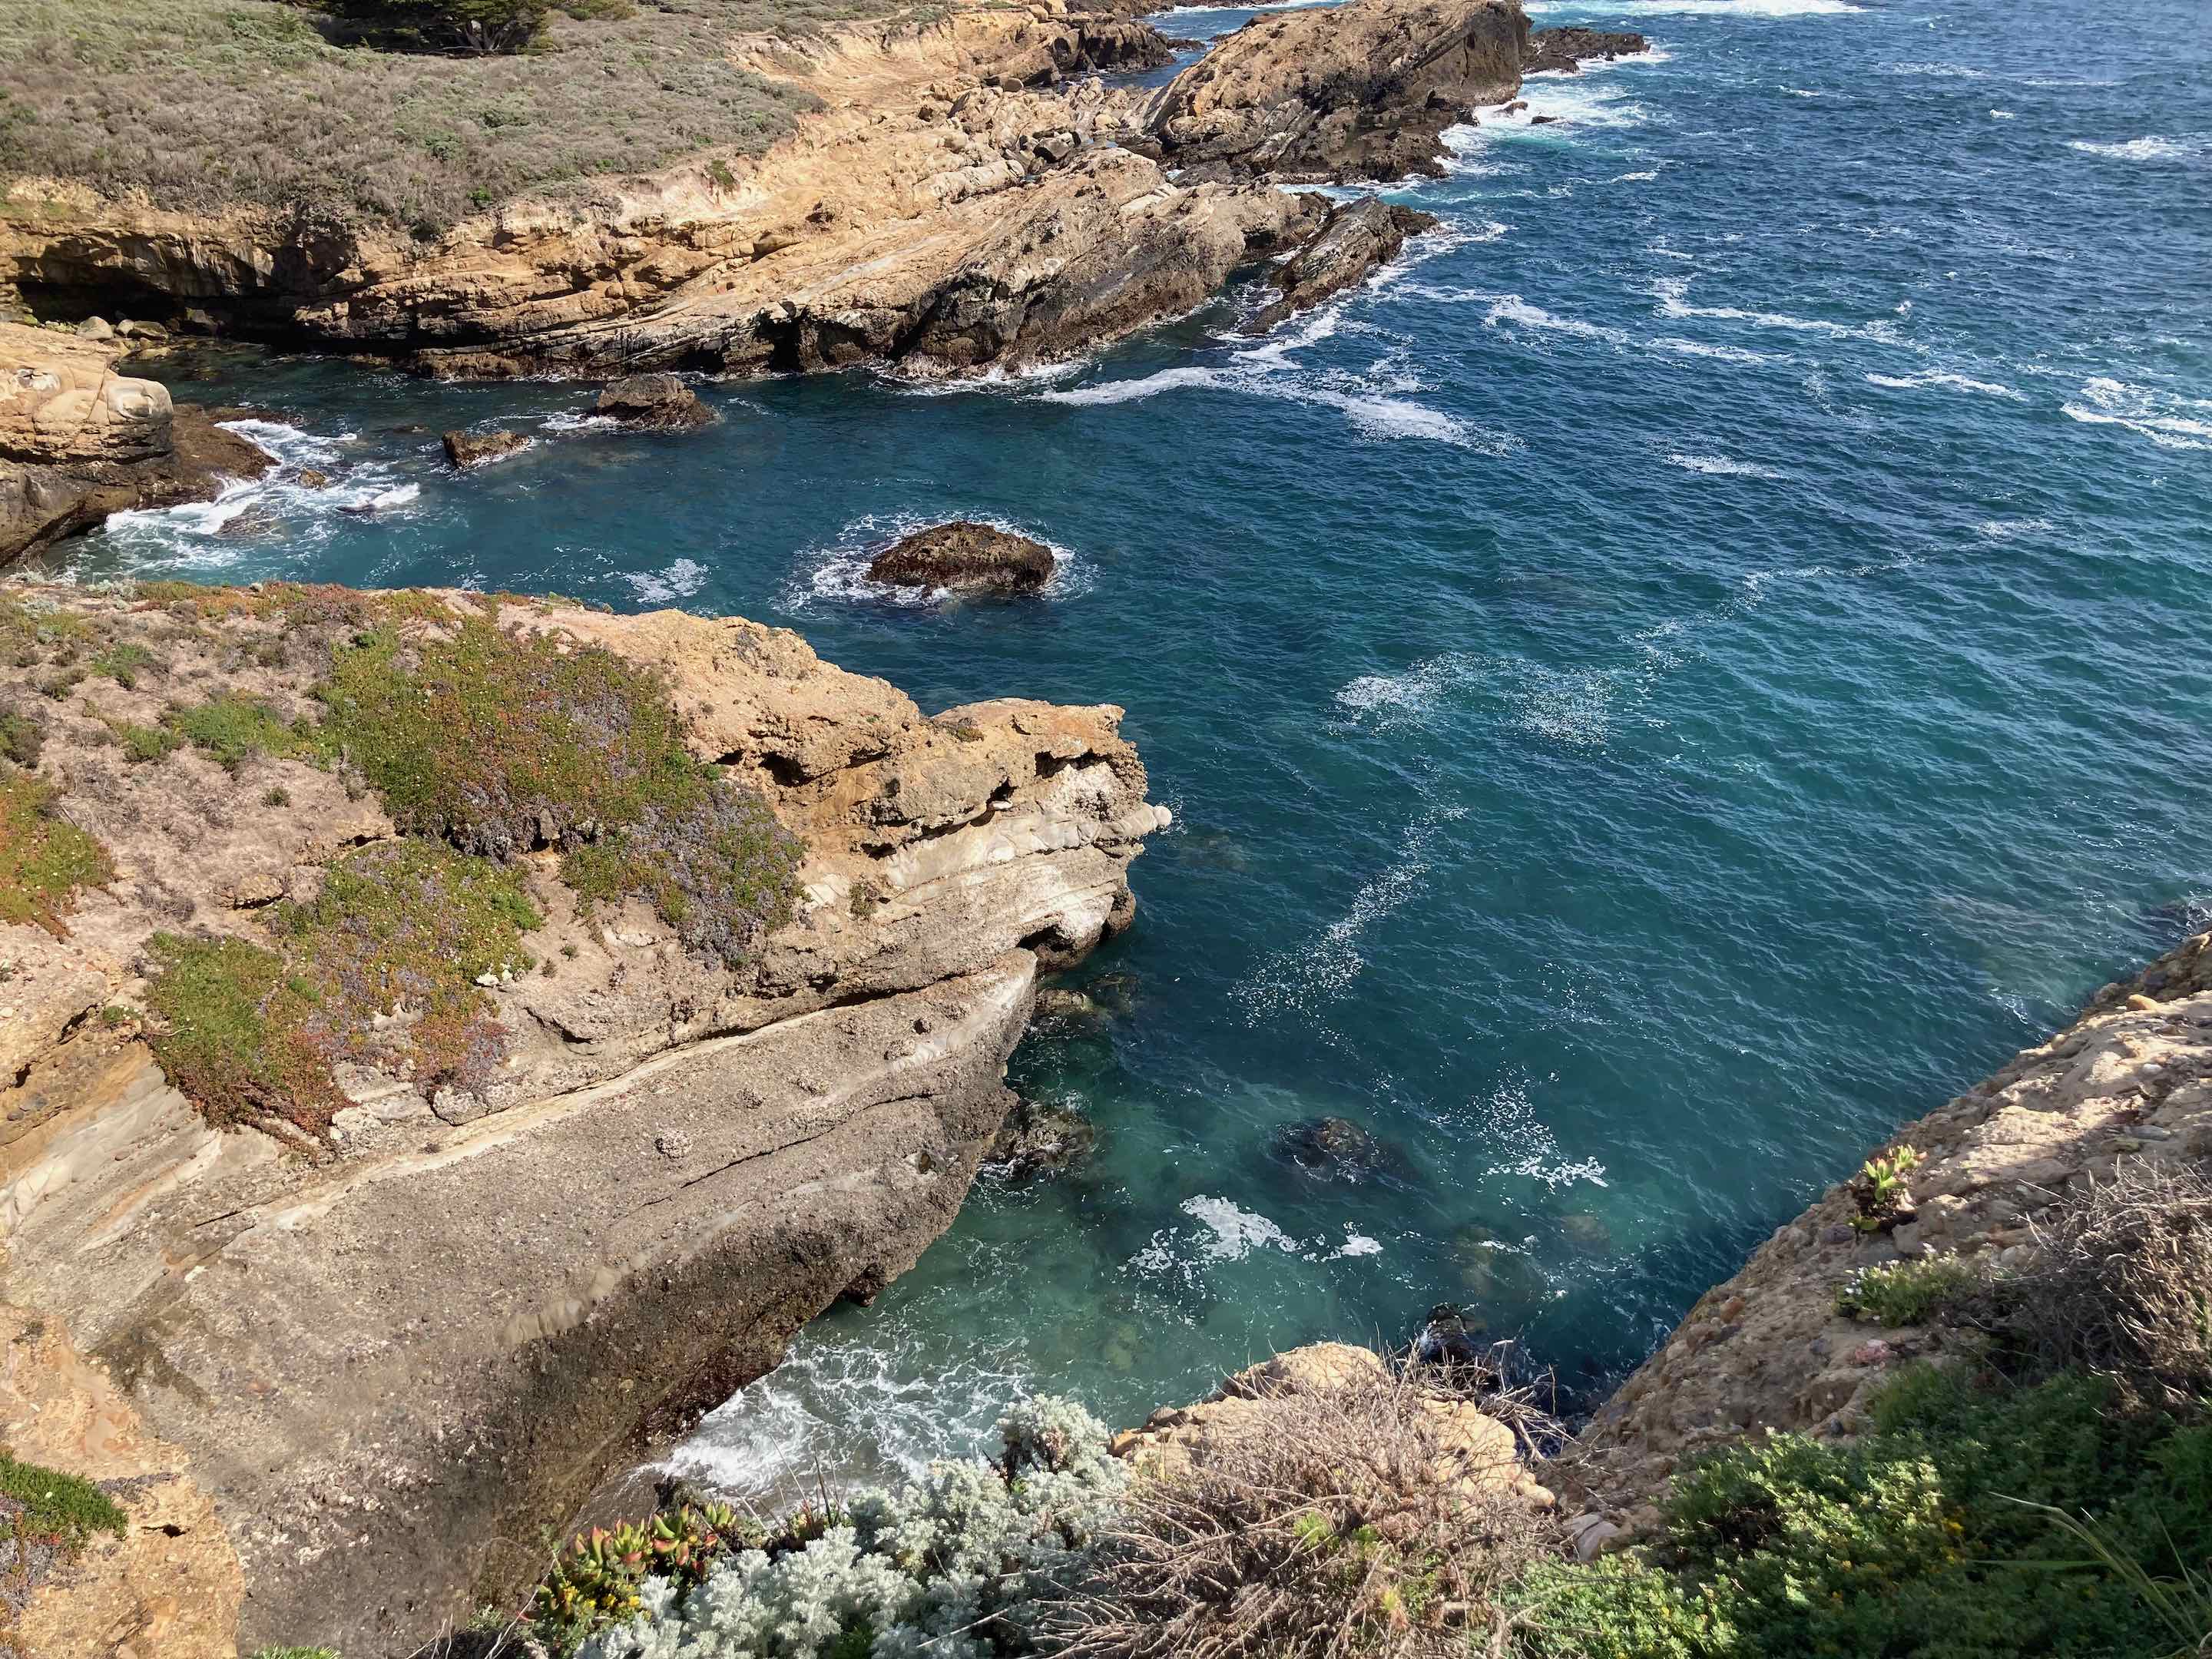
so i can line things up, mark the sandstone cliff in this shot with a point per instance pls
(79, 440)
(957, 203)
(2131, 1078)
(392, 1341)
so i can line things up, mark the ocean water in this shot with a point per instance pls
(1689, 670)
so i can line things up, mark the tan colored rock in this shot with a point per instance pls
(1359, 91)
(171, 1585)
(2131, 1077)
(391, 1366)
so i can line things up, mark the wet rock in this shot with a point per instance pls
(1333, 1147)
(196, 321)
(1565, 50)
(1501, 1283)
(1447, 1342)
(965, 556)
(472, 449)
(1040, 1138)
(132, 329)
(1356, 238)
(1060, 1003)
(1541, 120)
(311, 479)
(661, 402)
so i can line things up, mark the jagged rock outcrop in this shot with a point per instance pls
(2131, 1078)
(388, 1366)
(469, 450)
(79, 440)
(661, 402)
(965, 556)
(1564, 52)
(1356, 239)
(1362, 91)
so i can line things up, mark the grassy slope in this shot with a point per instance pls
(206, 103)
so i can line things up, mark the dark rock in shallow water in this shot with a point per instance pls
(964, 555)
(1567, 50)
(660, 401)
(1465, 1351)
(1354, 240)
(1333, 1147)
(1059, 1003)
(1041, 1138)
(468, 449)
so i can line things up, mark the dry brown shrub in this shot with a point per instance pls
(1334, 1524)
(2125, 1290)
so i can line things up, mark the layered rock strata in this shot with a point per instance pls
(1564, 52)
(79, 440)
(1360, 92)
(389, 1366)
(1766, 1348)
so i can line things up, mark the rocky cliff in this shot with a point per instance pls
(80, 440)
(2131, 1078)
(401, 1172)
(958, 201)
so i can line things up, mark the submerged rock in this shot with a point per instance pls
(966, 557)
(1566, 51)
(1333, 1147)
(660, 401)
(1356, 238)
(472, 449)
(1041, 1136)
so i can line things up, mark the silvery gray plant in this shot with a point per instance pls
(953, 1565)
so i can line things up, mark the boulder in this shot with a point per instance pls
(1360, 91)
(1332, 1147)
(965, 556)
(470, 449)
(660, 401)
(1041, 1136)
(1355, 239)
(1565, 50)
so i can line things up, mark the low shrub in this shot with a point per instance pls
(1922, 1540)
(1879, 1190)
(1908, 1292)
(45, 861)
(22, 737)
(125, 663)
(954, 1566)
(252, 1034)
(46, 1505)
(232, 730)
(144, 744)
(1336, 1522)
(503, 742)
(2124, 1288)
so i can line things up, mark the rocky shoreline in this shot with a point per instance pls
(971, 196)
(393, 1338)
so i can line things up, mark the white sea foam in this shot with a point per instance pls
(1523, 1145)
(2001, 115)
(848, 1410)
(2169, 420)
(577, 419)
(1673, 292)
(1949, 382)
(1937, 71)
(1226, 1232)
(2188, 146)
(215, 534)
(680, 581)
(1720, 466)
(1707, 8)
(840, 571)
(2003, 530)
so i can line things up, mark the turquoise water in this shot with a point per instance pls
(1690, 670)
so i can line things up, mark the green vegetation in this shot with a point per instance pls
(470, 26)
(1921, 1540)
(595, 1580)
(59, 1508)
(1879, 1191)
(44, 861)
(251, 1035)
(207, 103)
(1908, 1292)
(232, 730)
(501, 741)
(123, 664)
(143, 745)
(22, 736)
(295, 1653)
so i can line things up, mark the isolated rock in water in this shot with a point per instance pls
(1334, 1146)
(1041, 1136)
(1360, 91)
(967, 555)
(1059, 1002)
(654, 400)
(1448, 1343)
(1566, 51)
(1356, 238)
(468, 449)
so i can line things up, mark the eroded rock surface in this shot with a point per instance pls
(80, 440)
(2131, 1078)
(388, 1366)
(1360, 91)
(468, 450)
(659, 401)
(965, 556)
(1566, 51)
(1358, 237)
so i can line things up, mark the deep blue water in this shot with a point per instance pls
(1686, 673)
